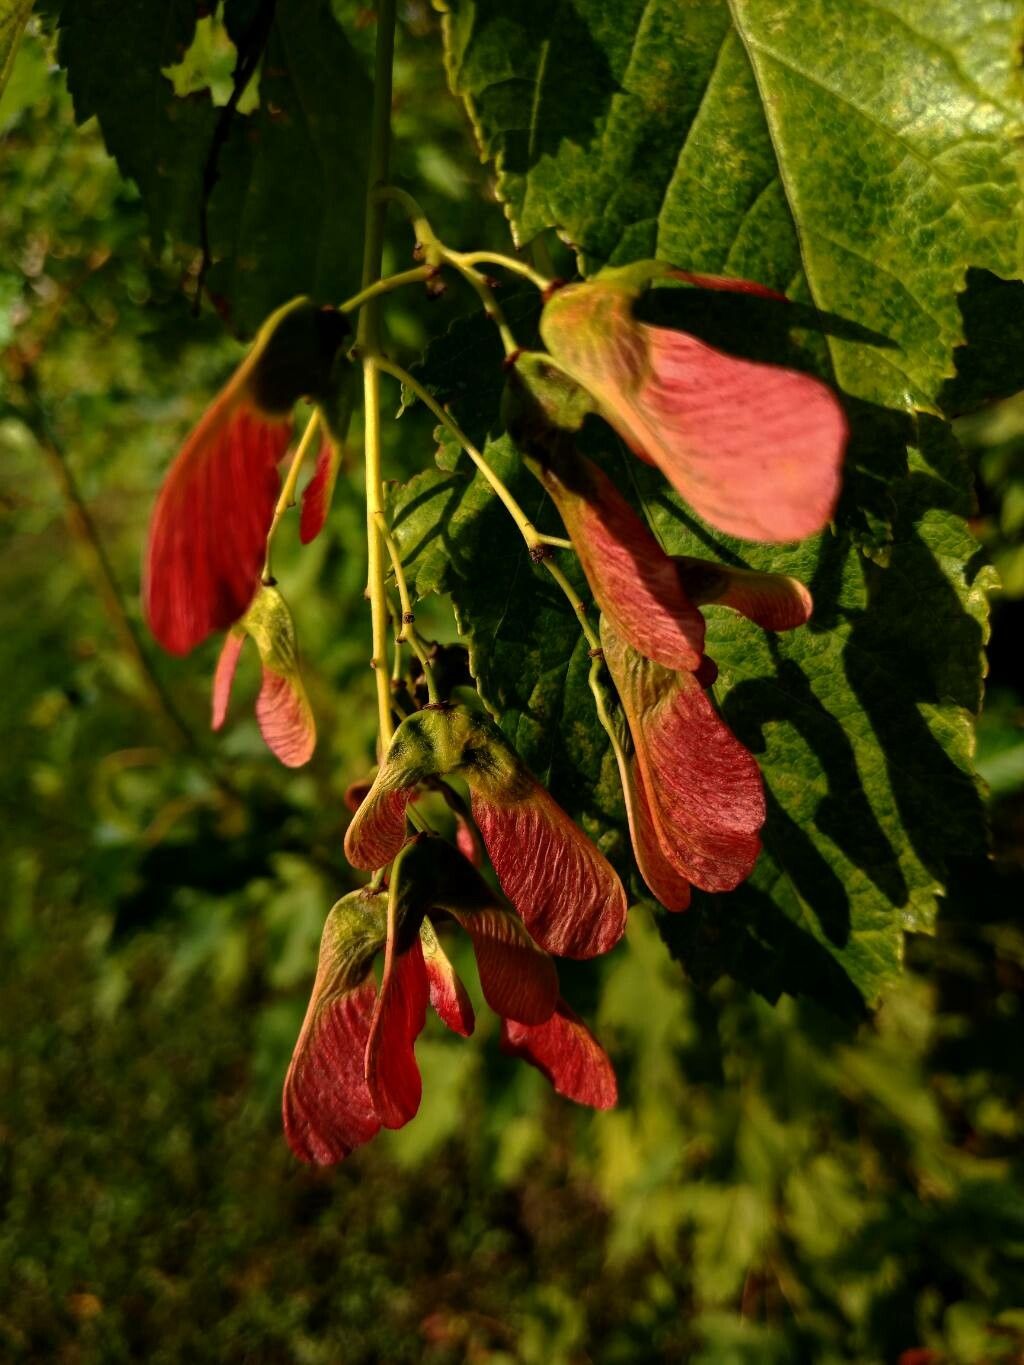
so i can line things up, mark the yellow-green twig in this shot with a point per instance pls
(287, 495)
(386, 286)
(436, 254)
(473, 258)
(407, 632)
(408, 615)
(396, 667)
(534, 539)
(485, 294)
(576, 602)
(368, 340)
(426, 238)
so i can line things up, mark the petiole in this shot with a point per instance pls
(287, 495)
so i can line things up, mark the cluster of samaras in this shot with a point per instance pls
(755, 449)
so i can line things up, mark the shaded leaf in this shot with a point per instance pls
(284, 184)
(861, 721)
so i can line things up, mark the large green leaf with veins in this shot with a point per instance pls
(857, 154)
(862, 726)
(860, 158)
(114, 55)
(861, 721)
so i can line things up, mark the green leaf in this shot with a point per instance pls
(856, 154)
(114, 55)
(859, 157)
(862, 726)
(287, 218)
(861, 722)
(283, 185)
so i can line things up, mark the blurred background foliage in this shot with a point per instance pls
(776, 1184)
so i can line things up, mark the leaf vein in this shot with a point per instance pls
(955, 191)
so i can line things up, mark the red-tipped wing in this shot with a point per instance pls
(327, 1107)
(771, 600)
(448, 995)
(704, 790)
(326, 1104)
(566, 891)
(392, 1076)
(727, 284)
(518, 979)
(316, 497)
(227, 663)
(208, 534)
(286, 718)
(671, 889)
(356, 793)
(467, 841)
(568, 1054)
(377, 831)
(755, 449)
(633, 581)
(378, 826)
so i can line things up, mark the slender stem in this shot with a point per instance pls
(437, 254)
(418, 819)
(408, 615)
(485, 294)
(534, 538)
(422, 653)
(287, 495)
(429, 240)
(471, 258)
(406, 632)
(576, 602)
(386, 286)
(396, 666)
(389, 942)
(368, 340)
(425, 235)
(380, 155)
(375, 551)
(418, 645)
